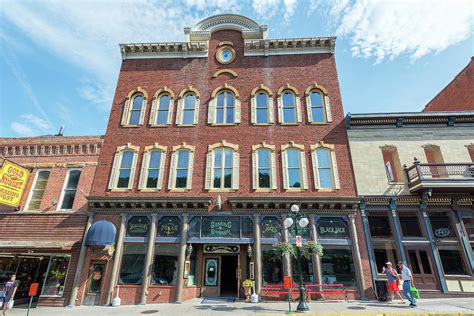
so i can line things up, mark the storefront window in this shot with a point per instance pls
(272, 265)
(468, 221)
(192, 269)
(452, 261)
(138, 226)
(8, 267)
(247, 227)
(168, 226)
(379, 226)
(165, 265)
(337, 266)
(306, 268)
(441, 224)
(195, 227)
(56, 275)
(270, 227)
(384, 252)
(410, 225)
(332, 228)
(133, 262)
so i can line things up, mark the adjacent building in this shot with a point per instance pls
(208, 144)
(40, 240)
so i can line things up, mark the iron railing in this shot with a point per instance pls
(428, 172)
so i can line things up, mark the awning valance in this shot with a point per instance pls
(101, 233)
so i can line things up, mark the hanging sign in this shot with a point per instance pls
(13, 180)
(287, 282)
(221, 248)
(442, 232)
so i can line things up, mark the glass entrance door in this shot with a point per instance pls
(94, 283)
(420, 263)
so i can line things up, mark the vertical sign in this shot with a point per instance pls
(299, 241)
(13, 180)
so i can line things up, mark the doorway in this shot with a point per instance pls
(94, 283)
(420, 263)
(229, 265)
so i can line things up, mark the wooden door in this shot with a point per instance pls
(420, 262)
(94, 283)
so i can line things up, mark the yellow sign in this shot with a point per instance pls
(13, 180)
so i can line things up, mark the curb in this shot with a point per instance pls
(392, 314)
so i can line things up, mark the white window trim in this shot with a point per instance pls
(63, 190)
(117, 161)
(297, 107)
(253, 105)
(47, 273)
(209, 180)
(334, 168)
(180, 107)
(389, 171)
(173, 165)
(156, 106)
(127, 109)
(30, 195)
(309, 107)
(145, 168)
(303, 167)
(273, 178)
(212, 107)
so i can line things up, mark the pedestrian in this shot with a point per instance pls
(407, 280)
(9, 291)
(393, 280)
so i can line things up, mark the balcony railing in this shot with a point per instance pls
(440, 176)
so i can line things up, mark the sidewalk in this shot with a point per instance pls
(447, 306)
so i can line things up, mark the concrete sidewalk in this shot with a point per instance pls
(450, 306)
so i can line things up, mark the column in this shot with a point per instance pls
(356, 255)
(464, 240)
(118, 256)
(148, 260)
(80, 264)
(181, 258)
(368, 240)
(398, 229)
(257, 253)
(286, 257)
(434, 250)
(316, 260)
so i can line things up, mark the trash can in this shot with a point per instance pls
(381, 290)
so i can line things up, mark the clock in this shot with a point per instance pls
(225, 55)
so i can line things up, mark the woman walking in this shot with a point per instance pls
(392, 277)
(9, 291)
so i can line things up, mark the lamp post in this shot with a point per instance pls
(294, 217)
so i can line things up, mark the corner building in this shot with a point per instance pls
(209, 143)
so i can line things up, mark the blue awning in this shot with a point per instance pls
(101, 233)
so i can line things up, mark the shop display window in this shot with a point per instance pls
(384, 252)
(337, 266)
(270, 227)
(410, 225)
(133, 262)
(380, 226)
(451, 260)
(165, 265)
(306, 268)
(192, 269)
(271, 265)
(56, 276)
(441, 225)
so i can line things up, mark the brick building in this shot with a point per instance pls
(458, 95)
(208, 144)
(40, 240)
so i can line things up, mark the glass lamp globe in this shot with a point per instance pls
(288, 222)
(295, 208)
(303, 222)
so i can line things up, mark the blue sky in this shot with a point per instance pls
(59, 61)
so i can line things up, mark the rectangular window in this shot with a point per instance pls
(125, 169)
(294, 168)
(410, 225)
(452, 261)
(153, 169)
(189, 108)
(272, 265)
(133, 263)
(306, 268)
(289, 113)
(389, 171)
(262, 107)
(383, 252)
(165, 265)
(324, 168)
(264, 168)
(223, 164)
(393, 167)
(441, 224)
(337, 266)
(379, 226)
(468, 221)
(56, 276)
(39, 187)
(182, 169)
(70, 189)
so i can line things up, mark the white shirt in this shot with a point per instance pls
(406, 274)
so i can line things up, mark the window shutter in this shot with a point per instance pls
(113, 173)
(304, 173)
(126, 107)
(254, 169)
(132, 172)
(170, 111)
(280, 110)
(337, 184)
(172, 175)
(314, 157)
(179, 111)
(284, 167)
(144, 173)
(209, 176)
(273, 165)
(328, 109)
(154, 110)
(189, 183)
(298, 109)
(253, 109)
(142, 111)
(271, 115)
(235, 171)
(308, 109)
(196, 111)
(211, 116)
(237, 111)
(162, 170)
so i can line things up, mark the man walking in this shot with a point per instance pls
(407, 279)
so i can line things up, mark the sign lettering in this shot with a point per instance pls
(332, 227)
(13, 180)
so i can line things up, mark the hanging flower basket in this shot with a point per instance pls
(283, 248)
(311, 248)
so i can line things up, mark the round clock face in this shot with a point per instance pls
(225, 55)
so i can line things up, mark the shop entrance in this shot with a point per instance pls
(94, 283)
(420, 263)
(229, 266)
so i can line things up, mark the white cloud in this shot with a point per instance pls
(389, 29)
(30, 125)
(266, 8)
(290, 6)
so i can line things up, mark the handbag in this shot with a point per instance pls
(10, 304)
(414, 292)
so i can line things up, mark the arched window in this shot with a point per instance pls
(224, 106)
(317, 104)
(123, 168)
(181, 168)
(162, 107)
(261, 106)
(134, 108)
(326, 175)
(222, 167)
(289, 105)
(151, 176)
(188, 107)
(264, 167)
(294, 167)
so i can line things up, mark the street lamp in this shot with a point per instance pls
(294, 217)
